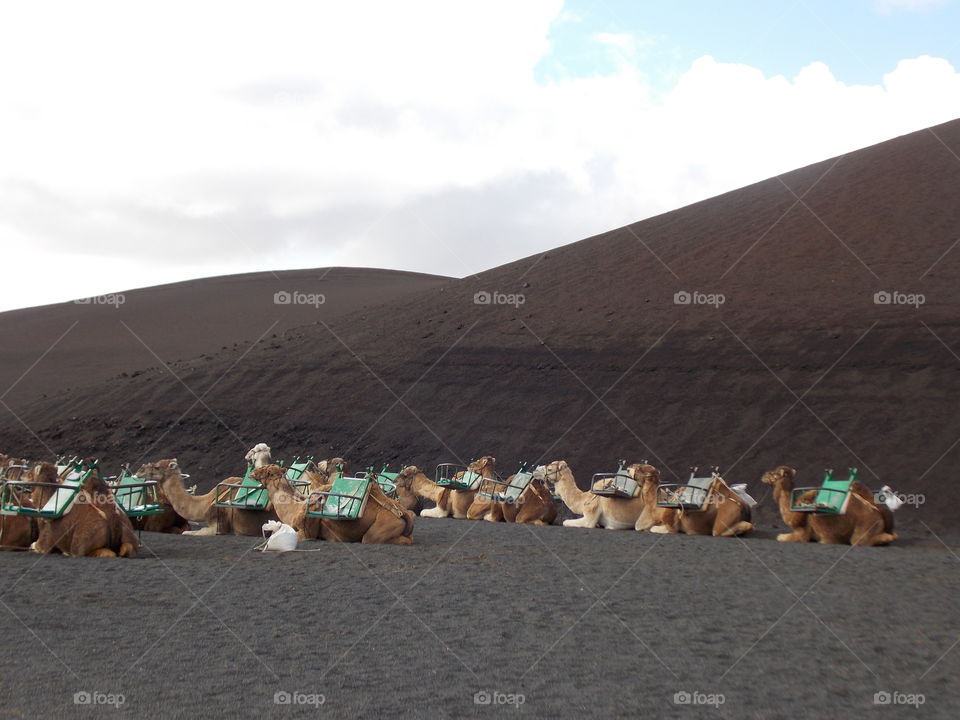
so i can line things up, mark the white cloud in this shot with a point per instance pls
(197, 139)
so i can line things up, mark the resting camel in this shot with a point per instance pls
(16, 531)
(726, 515)
(413, 487)
(201, 508)
(863, 524)
(383, 520)
(597, 511)
(464, 503)
(94, 526)
(534, 506)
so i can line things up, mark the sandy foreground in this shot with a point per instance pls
(482, 620)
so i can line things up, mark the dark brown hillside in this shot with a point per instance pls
(797, 366)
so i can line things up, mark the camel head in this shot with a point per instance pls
(269, 475)
(161, 471)
(642, 473)
(329, 466)
(553, 471)
(778, 475)
(487, 462)
(258, 455)
(405, 477)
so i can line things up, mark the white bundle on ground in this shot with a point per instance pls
(889, 498)
(741, 490)
(283, 538)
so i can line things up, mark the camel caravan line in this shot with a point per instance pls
(70, 507)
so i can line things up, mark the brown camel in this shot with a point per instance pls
(383, 520)
(94, 526)
(413, 487)
(533, 506)
(202, 508)
(726, 513)
(464, 503)
(17, 532)
(597, 511)
(863, 524)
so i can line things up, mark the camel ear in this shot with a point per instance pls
(173, 464)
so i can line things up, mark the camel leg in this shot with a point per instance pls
(740, 528)
(434, 512)
(208, 530)
(664, 530)
(798, 535)
(102, 552)
(871, 540)
(589, 520)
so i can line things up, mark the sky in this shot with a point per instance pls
(144, 142)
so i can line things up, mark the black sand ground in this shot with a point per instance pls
(579, 622)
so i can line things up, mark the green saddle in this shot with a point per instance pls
(695, 495)
(831, 497)
(248, 495)
(57, 505)
(465, 480)
(345, 500)
(618, 484)
(514, 489)
(294, 474)
(135, 496)
(388, 483)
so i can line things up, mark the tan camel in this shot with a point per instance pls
(597, 511)
(202, 508)
(327, 470)
(17, 532)
(534, 506)
(258, 455)
(94, 526)
(383, 520)
(413, 486)
(863, 524)
(463, 504)
(726, 514)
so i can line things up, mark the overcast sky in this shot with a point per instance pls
(143, 143)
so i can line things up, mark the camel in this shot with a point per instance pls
(327, 469)
(94, 526)
(863, 524)
(463, 504)
(726, 515)
(202, 508)
(17, 532)
(383, 520)
(258, 455)
(535, 504)
(597, 511)
(413, 487)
